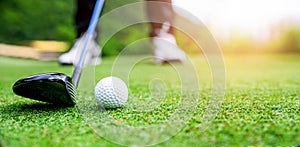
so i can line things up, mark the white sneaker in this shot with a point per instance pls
(72, 57)
(165, 48)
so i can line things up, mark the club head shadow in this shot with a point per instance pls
(56, 88)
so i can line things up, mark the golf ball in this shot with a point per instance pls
(111, 92)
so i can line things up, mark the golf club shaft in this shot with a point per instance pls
(89, 35)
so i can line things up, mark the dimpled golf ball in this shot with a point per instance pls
(111, 92)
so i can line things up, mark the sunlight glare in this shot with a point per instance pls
(242, 17)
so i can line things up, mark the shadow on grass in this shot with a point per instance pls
(34, 107)
(30, 116)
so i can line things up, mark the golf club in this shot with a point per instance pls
(58, 88)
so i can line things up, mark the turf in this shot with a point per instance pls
(260, 107)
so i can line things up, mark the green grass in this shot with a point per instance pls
(261, 106)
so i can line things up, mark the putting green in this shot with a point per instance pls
(260, 107)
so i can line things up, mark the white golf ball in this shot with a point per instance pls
(111, 92)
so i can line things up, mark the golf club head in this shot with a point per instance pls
(56, 88)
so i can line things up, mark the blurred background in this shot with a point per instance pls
(239, 26)
(250, 26)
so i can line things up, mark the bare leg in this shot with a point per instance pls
(163, 13)
(161, 16)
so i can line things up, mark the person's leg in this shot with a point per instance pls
(165, 48)
(164, 13)
(83, 15)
